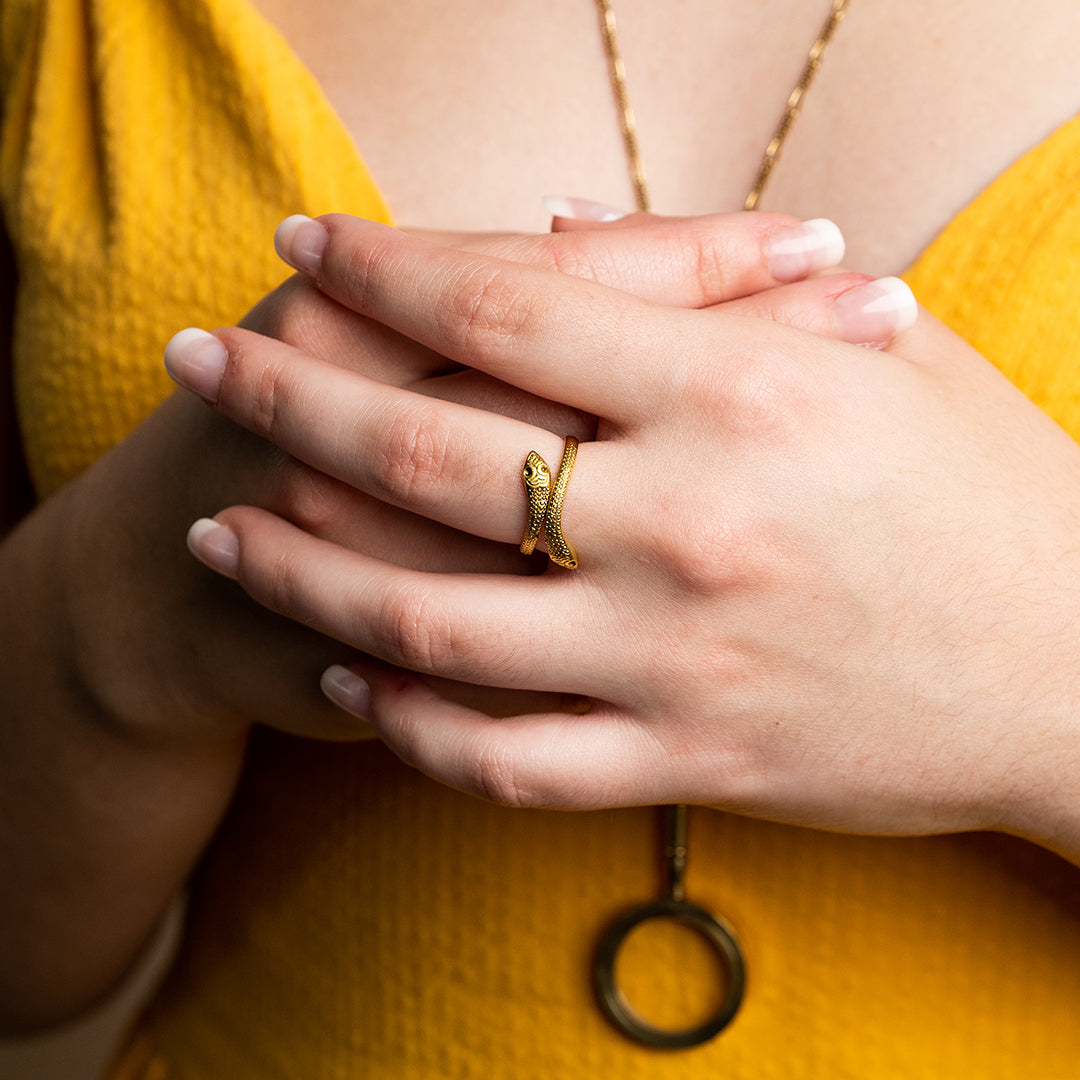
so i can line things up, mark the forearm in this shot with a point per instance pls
(98, 828)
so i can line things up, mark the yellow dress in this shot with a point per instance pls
(353, 919)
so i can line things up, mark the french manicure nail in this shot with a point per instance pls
(873, 313)
(814, 245)
(566, 206)
(196, 360)
(300, 241)
(346, 690)
(215, 545)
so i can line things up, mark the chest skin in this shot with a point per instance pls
(468, 113)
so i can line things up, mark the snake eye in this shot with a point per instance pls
(535, 474)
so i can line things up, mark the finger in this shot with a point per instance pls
(487, 629)
(554, 760)
(335, 511)
(569, 214)
(474, 388)
(299, 313)
(448, 462)
(545, 332)
(684, 262)
(855, 308)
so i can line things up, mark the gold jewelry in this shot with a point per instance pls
(559, 549)
(617, 72)
(545, 504)
(536, 477)
(674, 905)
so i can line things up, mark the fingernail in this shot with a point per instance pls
(814, 245)
(873, 313)
(346, 690)
(196, 360)
(300, 241)
(566, 206)
(215, 545)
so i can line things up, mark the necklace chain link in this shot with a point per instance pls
(617, 73)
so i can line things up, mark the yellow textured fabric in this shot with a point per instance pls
(137, 139)
(355, 920)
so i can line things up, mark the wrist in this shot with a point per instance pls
(126, 600)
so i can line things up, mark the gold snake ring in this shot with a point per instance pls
(545, 504)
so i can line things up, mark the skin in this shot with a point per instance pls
(903, 125)
(130, 671)
(104, 709)
(912, 695)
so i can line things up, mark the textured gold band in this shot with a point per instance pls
(536, 477)
(546, 502)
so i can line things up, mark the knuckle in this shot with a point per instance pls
(258, 387)
(351, 270)
(497, 776)
(703, 561)
(730, 253)
(734, 554)
(411, 739)
(756, 396)
(410, 632)
(731, 543)
(508, 776)
(360, 273)
(713, 258)
(482, 310)
(267, 399)
(279, 586)
(575, 255)
(413, 462)
(760, 399)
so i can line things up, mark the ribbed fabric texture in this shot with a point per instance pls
(354, 920)
(148, 152)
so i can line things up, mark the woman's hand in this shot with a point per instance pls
(740, 259)
(212, 664)
(691, 262)
(820, 583)
(130, 672)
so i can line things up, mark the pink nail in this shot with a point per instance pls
(795, 253)
(196, 360)
(874, 313)
(300, 241)
(346, 690)
(566, 206)
(215, 545)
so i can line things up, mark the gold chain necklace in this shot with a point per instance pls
(674, 904)
(617, 72)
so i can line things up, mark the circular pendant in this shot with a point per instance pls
(614, 1002)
